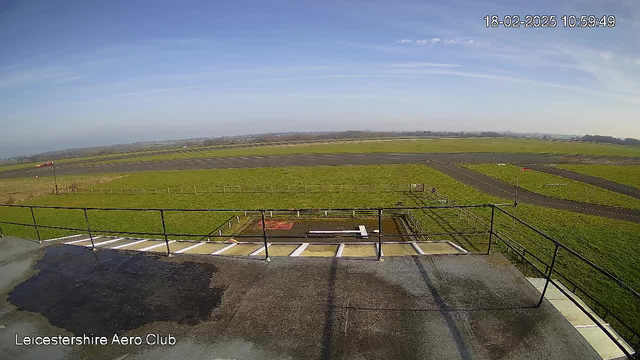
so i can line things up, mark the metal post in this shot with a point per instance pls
(546, 284)
(86, 219)
(35, 224)
(55, 180)
(264, 237)
(379, 234)
(493, 211)
(164, 230)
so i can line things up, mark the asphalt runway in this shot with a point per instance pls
(314, 160)
(501, 189)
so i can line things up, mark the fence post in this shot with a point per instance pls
(164, 231)
(35, 224)
(546, 284)
(264, 237)
(86, 219)
(379, 234)
(493, 210)
(1, 233)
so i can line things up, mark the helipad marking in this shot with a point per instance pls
(224, 249)
(64, 237)
(340, 250)
(125, 245)
(77, 241)
(156, 246)
(105, 242)
(299, 250)
(417, 248)
(259, 250)
(189, 248)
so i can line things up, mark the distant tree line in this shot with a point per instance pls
(611, 140)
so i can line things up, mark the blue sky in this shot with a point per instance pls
(85, 73)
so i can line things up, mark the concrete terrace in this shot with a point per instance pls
(419, 307)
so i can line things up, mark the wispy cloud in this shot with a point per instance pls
(443, 41)
(417, 65)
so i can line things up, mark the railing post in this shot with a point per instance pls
(379, 234)
(164, 231)
(493, 211)
(546, 284)
(264, 237)
(35, 224)
(86, 219)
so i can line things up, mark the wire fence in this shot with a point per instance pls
(222, 189)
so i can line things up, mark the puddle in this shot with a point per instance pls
(111, 292)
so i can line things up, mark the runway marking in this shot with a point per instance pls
(340, 250)
(105, 242)
(156, 246)
(224, 249)
(261, 249)
(417, 248)
(125, 245)
(189, 248)
(65, 237)
(77, 241)
(299, 250)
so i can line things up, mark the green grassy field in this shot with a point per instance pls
(611, 244)
(538, 182)
(409, 146)
(629, 175)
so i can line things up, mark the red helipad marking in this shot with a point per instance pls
(277, 224)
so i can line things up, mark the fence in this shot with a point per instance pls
(221, 189)
(549, 267)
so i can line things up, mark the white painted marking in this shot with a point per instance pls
(259, 250)
(105, 242)
(340, 250)
(65, 237)
(334, 232)
(363, 231)
(415, 246)
(457, 247)
(189, 248)
(125, 245)
(81, 240)
(224, 249)
(299, 250)
(156, 246)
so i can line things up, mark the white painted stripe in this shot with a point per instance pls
(363, 231)
(77, 241)
(259, 250)
(224, 249)
(105, 242)
(156, 246)
(415, 246)
(189, 248)
(299, 250)
(457, 247)
(340, 250)
(125, 245)
(65, 237)
(335, 232)
(381, 252)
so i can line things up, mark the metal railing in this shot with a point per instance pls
(379, 213)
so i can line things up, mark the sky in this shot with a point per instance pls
(93, 73)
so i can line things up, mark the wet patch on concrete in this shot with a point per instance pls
(111, 292)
